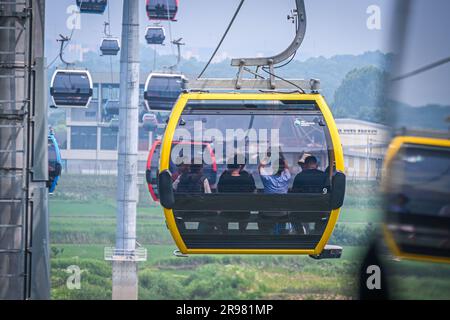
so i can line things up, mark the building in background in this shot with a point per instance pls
(364, 145)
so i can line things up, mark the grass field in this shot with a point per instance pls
(82, 224)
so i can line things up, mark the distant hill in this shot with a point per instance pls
(361, 96)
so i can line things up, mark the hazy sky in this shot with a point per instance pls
(334, 27)
(426, 42)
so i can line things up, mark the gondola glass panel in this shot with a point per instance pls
(417, 190)
(260, 202)
(92, 6)
(71, 88)
(162, 9)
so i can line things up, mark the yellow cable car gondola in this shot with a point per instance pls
(267, 200)
(417, 191)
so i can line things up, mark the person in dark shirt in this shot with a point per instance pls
(311, 179)
(235, 180)
(193, 181)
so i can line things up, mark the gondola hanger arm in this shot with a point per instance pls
(300, 13)
(63, 40)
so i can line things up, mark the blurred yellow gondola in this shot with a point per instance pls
(417, 192)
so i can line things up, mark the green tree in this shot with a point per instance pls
(361, 95)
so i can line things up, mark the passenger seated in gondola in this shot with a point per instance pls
(311, 179)
(277, 183)
(235, 180)
(193, 181)
(179, 171)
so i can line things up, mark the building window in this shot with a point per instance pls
(83, 138)
(89, 114)
(108, 139)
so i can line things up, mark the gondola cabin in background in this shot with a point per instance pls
(71, 88)
(149, 121)
(162, 9)
(151, 173)
(110, 46)
(416, 176)
(54, 163)
(92, 6)
(112, 107)
(162, 90)
(155, 35)
(417, 192)
(114, 124)
(264, 202)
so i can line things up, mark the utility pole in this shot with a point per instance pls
(124, 256)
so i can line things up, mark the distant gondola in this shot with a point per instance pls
(110, 46)
(54, 163)
(71, 88)
(162, 9)
(416, 188)
(155, 35)
(162, 90)
(149, 121)
(92, 6)
(112, 107)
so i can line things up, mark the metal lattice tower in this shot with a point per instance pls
(24, 265)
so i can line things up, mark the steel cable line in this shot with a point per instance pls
(423, 69)
(109, 35)
(170, 28)
(222, 39)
